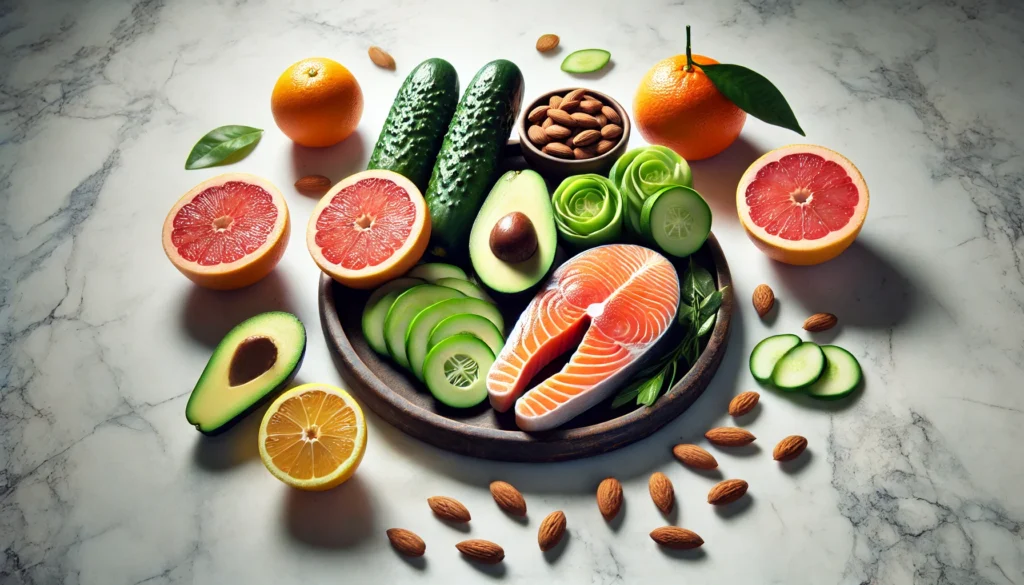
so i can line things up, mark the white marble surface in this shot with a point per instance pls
(103, 482)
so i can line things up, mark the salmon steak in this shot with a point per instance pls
(615, 302)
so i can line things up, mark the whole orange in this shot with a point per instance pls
(684, 111)
(317, 102)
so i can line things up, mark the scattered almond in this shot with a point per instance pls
(562, 118)
(558, 149)
(676, 537)
(313, 185)
(591, 107)
(611, 131)
(727, 492)
(575, 95)
(558, 132)
(552, 528)
(583, 153)
(609, 498)
(743, 403)
(537, 135)
(820, 322)
(662, 493)
(584, 120)
(763, 299)
(694, 456)
(586, 138)
(448, 509)
(554, 101)
(406, 542)
(483, 551)
(610, 113)
(547, 43)
(789, 448)
(604, 146)
(508, 498)
(730, 437)
(381, 58)
(538, 114)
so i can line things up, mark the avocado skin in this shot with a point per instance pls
(468, 163)
(414, 130)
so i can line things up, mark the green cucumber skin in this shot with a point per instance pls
(414, 130)
(468, 163)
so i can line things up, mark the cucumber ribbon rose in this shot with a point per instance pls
(644, 171)
(588, 211)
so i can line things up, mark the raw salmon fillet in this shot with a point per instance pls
(616, 301)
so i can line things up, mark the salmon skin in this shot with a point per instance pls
(616, 302)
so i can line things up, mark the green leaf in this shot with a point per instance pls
(650, 389)
(219, 144)
(710, 305)
(706, 326)
(687, 314)
(753, 94)
(705, 283)
(628, 394)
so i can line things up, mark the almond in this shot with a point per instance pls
(591, 107)
(569, 106)
(483, 551)
(537, 115)
(537, 135)
(730, 437)
(789, 448)
(558, 150)
(554, 101)
(551, 530)
(547, 42)
(820, 322)
(313, 185)
(610, 113)
(586, 138)
(575, 95)
(406, 542)
(605, 145)
(763, 299)
(601, 119)
(676, 537)
(727, 492)
(585, 120)
(557, 132)
(547, 122)
(583, 153)
(508, 498)
(381, 58)
(743, 403)
(694, 456)
(611, 131)
(661, 491)
(609, 498)
(562, 118)
(448, 509)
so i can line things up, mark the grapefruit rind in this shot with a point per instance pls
(803, 252)
(250, 268)
(400, 261)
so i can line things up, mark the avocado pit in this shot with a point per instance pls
(253, 356)
(514, 238)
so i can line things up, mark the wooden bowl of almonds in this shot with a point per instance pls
(571, 131)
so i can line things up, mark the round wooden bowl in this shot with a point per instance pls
(558, 167)
(404, 402)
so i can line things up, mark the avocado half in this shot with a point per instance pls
(253, 361)
(525, 192)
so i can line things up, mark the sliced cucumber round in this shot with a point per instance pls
(586, 61)
(842, 374)
(467, 323)
(799, 368)
(767, 353)
(376, 311)
(678, 219)
(465, 287)
(456, 370)
(418, 335)
(434, 271)
(404, 310)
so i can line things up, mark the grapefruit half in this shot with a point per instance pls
(802, 204)
(227, 232)
(368, 229)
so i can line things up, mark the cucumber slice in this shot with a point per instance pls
(456, 370)
(467, 323)
(465, 287)
(678, 219)
(434, 271)
(404, 310)
(799, 368)
(586, 61)
(842, 374)
(767, 353)
(418, 335)
(376, 311)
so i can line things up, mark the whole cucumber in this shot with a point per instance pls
(468, 163)
(415, 127)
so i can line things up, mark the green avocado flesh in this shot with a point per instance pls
(525, 192)
(253, 361)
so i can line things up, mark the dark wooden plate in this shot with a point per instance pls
(481, 432)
